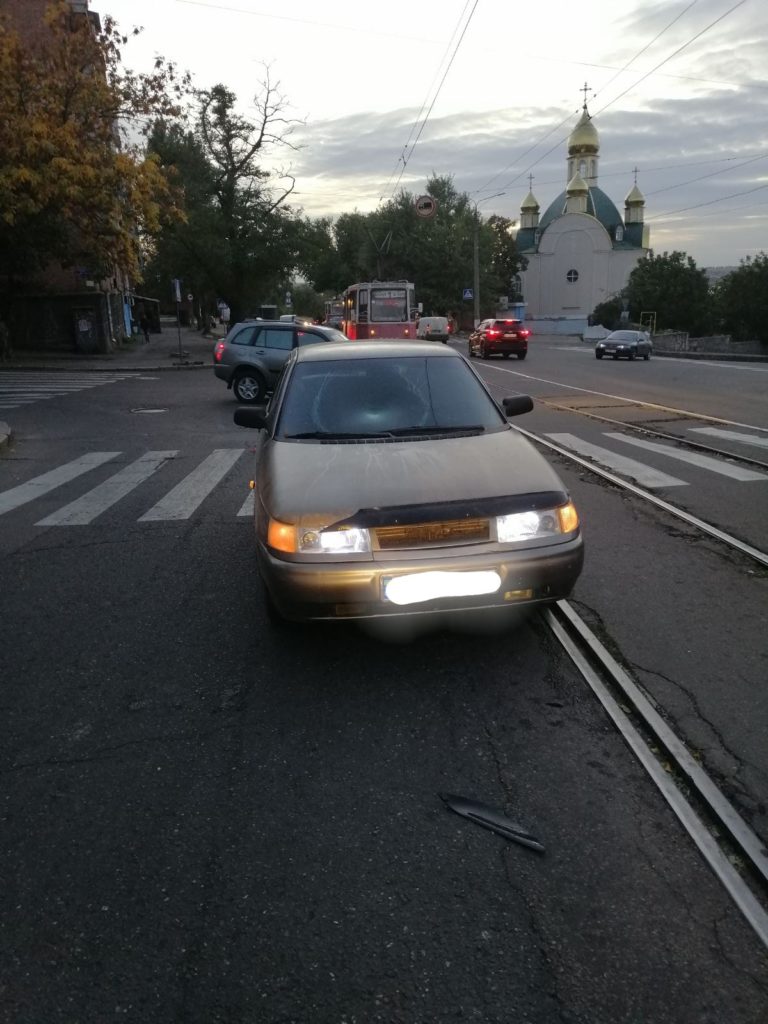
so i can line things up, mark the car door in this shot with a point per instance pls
(274, 345)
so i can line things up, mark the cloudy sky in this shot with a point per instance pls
(391, 93)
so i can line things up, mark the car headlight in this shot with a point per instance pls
(544, 523)
(307, 540)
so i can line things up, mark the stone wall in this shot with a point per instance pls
(718, 344)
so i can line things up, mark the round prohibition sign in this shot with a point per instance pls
(425, 207)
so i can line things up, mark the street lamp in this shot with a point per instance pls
(476, 282)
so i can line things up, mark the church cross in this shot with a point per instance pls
(585, 90)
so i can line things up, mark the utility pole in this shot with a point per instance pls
(476, 282)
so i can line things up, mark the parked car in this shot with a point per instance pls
(499, 337)
(625, 343)
(433, 328)
(390, 483)
(254, 352)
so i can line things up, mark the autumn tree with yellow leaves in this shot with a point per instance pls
(76, 186)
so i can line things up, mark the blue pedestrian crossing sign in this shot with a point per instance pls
(468, 293)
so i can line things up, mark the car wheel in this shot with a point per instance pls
(647, 356)
(484, 353)
(470, 351)
(521, 355)
(632, 354)
(249, 387)
(598, 355)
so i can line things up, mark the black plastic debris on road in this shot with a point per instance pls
(491, 819)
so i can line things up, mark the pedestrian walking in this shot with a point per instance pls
(144, 325)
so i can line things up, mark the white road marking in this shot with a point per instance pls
(731, 435)
(692, 458)
(249, 505)
(182, 501)
(624, 398)
(40, 485)
(644, 475)
(85, 509)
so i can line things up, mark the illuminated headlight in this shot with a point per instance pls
(545, 523)
(334, 541)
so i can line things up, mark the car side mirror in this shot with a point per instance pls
(516, 406)
(255, 417)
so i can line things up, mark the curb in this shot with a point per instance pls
(118, 366)
(5, 434)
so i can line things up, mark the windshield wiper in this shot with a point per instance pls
(470, 428)
(324, 435)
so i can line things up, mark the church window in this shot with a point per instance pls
(619, 233)
(583, 168)
(572, 276)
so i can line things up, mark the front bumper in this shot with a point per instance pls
(355, 590)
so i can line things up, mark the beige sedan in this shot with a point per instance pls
(390, 483)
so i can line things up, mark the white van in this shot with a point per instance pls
(433, 328)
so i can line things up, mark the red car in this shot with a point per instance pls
(499, 338)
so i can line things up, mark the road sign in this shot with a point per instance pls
(425, 207)
(468, 293)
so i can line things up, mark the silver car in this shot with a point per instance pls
(389, 483)
(631, 344)
(254, 352)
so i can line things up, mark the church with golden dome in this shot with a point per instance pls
(581, 251)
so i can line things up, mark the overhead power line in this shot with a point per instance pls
(434, 100)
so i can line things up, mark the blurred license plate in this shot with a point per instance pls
(426, 586)
(510, 335)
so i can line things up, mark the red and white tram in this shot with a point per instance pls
(379, 309)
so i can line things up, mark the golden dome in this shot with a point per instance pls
(576, 185)
(584, 137)
(530, 203)
(634, 196)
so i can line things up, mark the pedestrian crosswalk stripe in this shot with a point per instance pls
(40, 485)
(182, 501)
(21, 388)
(85, 509)
(249, 505)
(646, 476)
(731, 435)
(692, 458)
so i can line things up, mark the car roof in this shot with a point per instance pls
(337, 350)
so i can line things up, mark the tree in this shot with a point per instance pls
(741, 300)
(674, 289)
(73, 190)
(436, 253)
(241, 239)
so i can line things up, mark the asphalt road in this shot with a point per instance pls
(205, 818)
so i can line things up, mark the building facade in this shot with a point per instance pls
(581, 251)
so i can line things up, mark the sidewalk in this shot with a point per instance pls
(160, 353)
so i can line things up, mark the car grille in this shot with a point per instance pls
(419, 535)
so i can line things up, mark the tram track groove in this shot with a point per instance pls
(714, 816)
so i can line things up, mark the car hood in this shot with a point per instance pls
(306, 482)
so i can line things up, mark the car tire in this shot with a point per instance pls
(521, 355)
(598, 355)
(470, 352)
(484, 353)
(632, 355)
(647, 356)
(249, 387)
